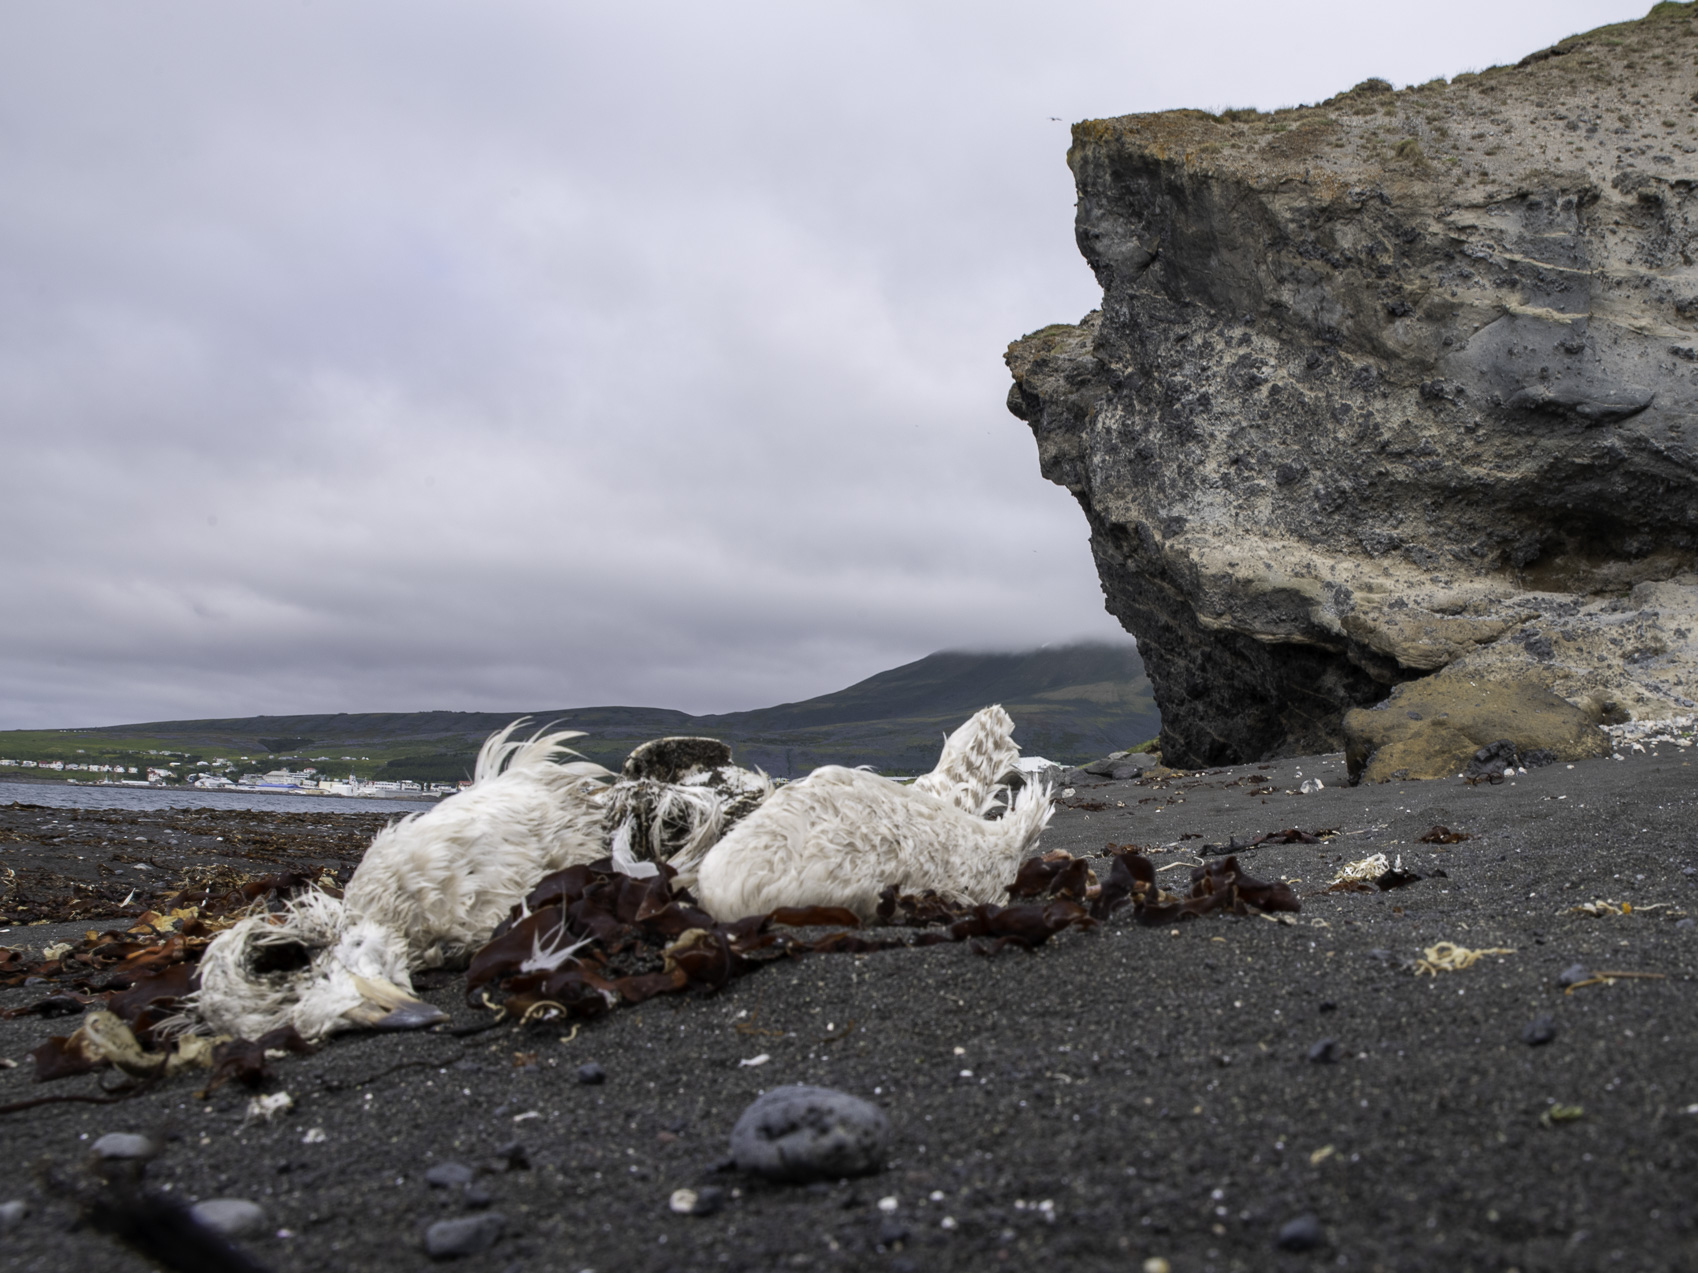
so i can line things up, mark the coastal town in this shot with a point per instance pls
(227, 775)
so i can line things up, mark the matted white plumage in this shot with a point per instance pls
(429, 891)
(675, 798)
(839, 836)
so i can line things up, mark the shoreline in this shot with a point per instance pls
(1119, 1095)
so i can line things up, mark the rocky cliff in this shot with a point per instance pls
(1401, 382)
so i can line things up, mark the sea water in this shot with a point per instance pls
(65, 796)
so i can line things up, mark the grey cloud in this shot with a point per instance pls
(383, 354)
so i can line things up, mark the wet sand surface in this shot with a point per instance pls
(69, 863)
(1120, 1095)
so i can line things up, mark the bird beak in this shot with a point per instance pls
(385, 1006)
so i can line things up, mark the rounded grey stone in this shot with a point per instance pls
(1302, 1234)
(447, 1174)
(810, 1133)
(464, 1235)
(124, 1145)
(233, 1217)
(12, 1214)
(1573, 975)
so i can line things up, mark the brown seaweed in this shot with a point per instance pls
(587, 938)
(1444, 835)
(245, 1060)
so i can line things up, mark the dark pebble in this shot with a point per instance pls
(1302, 1234)
(233, 1217)
(1325, 1052)
(708, 1201)
(1684, 923)
(1572, 975)
(464, 1235)
(892, 1231)
(124, 1145)
(12, 1214)
(447, 1174)
(1541, 1031)
(590, 1074)
(810, 1133)
(477, 1198)
(513, 1156)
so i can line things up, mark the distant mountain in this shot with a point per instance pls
(1069, 702)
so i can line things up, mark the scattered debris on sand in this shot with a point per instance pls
(1609, 977)
(1291, 835)
(1603, 907)
(1444, 835)
(138, 961)
(1558, 1114)
(1370, 874)
(1353, 875)
(1447, 956)
(589, 938)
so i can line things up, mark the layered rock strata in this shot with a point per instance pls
(1399, 382)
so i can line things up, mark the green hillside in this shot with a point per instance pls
(1070, 703)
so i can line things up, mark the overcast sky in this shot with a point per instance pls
(365, 355)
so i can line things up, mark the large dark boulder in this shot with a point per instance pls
(1393, 383)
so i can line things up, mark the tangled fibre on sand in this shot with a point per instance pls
(586, 939)
(1447, 956)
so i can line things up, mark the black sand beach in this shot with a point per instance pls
(1121, 1097)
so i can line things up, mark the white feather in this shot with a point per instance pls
(429, 891)
(624, 861)
(444, 879)
(976, 757)
(838, 836)
(557, 952)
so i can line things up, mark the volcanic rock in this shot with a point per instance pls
(1393, 383)
(1122, 766)
(464, 1235)
(444, 1175)
(1302, 1234)
(800, 1133)
(591, 1074)
(1434, 728)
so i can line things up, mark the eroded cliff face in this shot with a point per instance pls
(1400, 382)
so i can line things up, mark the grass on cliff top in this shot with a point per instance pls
(1378, 95)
